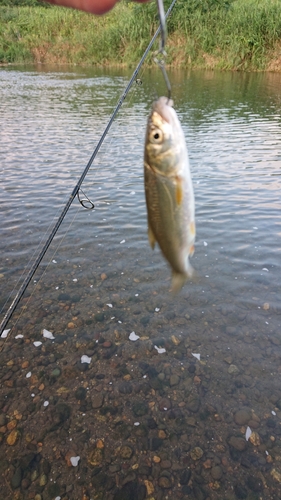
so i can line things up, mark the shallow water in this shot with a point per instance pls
(100, 281)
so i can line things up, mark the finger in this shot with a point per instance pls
(94, 6)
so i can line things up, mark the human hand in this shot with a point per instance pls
(94, 6)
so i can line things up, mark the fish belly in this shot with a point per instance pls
(170, 222)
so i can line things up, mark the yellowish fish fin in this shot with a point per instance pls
(151, 237)
(179, 190)
(192, 228)
(192, 248)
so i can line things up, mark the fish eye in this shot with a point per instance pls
(156, 136)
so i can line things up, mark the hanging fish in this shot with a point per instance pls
(169, 190)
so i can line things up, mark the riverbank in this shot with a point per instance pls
(240, 35)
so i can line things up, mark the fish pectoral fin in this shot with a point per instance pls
(192, 249)
(179, 190)
(151, 237)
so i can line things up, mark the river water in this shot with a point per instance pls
(192, 408)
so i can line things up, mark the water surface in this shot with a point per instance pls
(183, 418)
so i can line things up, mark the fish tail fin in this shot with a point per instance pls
(179, 279)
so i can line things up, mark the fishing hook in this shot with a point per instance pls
(161, 54)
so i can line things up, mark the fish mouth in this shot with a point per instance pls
(162, 107)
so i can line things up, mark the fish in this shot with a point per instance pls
(169, 190)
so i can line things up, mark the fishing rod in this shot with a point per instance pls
(75, 191)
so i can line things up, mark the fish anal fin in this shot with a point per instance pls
(151, 237)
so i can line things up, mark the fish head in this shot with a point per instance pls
(164, 137)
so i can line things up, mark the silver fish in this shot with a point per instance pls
(169, 190)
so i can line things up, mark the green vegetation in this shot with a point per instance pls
(234, 34)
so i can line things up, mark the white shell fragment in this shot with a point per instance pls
(160, 350)
(48, 335)
(205, 244)
(133, 336)
(46, 403)
(19, 336)
(121, 242)
(74, 461)
(37, 343)
(265, 269)
(28, 375)
(197, 356)
(5, 333)
(109, 305)
(248, 433)
(85, 359)
(157, 309)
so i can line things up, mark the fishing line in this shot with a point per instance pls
(44, 272)
(76, 189)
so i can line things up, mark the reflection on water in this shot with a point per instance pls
(145, 423)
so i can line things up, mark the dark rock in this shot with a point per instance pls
(165, 482)
(97, 400)
(193, 404)
(61, 414)
(131, 490)
(144, 470)
(83, 367)
(238, 443)
(59, 339)
(152, 372)
(151, 423)
(165, 404)
(125, 388)
(3, 419)
(186, 490)
(243, 416)
(16, 479)
(199, 493)
(99, 317)
(192, 368)
(254, 483)
(240, 491)
(140, 408)
(216, 472)
(126, 452)
(155, 443)
(64, 297)
(271, 423)
(185, 476)
(80, 393)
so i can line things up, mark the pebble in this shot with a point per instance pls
(165, 482)
(233, 370)
(97, 400)
(126, 452)
(238, 443)
(242, 417)
(174, 380)
(196, 453)
(13, 437)
(16, 478)
(216, 473)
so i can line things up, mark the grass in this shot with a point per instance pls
(234, 34)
